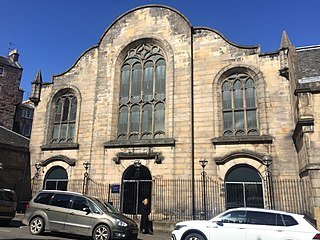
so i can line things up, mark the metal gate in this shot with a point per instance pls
(136, 186)
(245, 194)
(133, 193)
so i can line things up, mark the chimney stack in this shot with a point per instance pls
(14, 55)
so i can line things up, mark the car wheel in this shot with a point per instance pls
(36, 226)
(101, 232)
(194, 236)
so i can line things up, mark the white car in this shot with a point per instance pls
(248, 224)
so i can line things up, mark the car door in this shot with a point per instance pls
(57, 211)
(264, 226)
(228, 226)
(79, 217)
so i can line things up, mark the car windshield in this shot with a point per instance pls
(104, 206)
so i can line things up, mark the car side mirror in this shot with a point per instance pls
(218, 223)
(87, 210)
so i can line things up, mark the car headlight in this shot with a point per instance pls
(121, 223)
(178, 227)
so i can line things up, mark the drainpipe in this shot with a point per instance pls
(192, 131)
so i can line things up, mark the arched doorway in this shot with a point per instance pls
(136, 186)
(244, 187)
(56, 179)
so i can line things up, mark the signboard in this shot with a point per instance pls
(115, 188)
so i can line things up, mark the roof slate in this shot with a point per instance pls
(11, 138)
(308, 60)
(9, 62)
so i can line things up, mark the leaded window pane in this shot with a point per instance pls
(65, 109)
(238, 95)
(73, 111)
(239, 119)
(55, 133)
(58, 111)
(123, 120)
(226, 96)
(251, 115)
(71, 132)
(250, 94)
(125, 84)
(147, 118)
(227, 120)
(160, 79)
(136, 83)
(63, 133)
(135, 119)
(159, 117)
(148, 81)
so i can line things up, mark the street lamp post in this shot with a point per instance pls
(203, 164)
(85, 177)
(267, 162)
(137, 165)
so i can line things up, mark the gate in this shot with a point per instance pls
(136, 186)
(133, 193)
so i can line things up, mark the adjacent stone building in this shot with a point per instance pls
(14, 147)
(10, 77)
(156, 95)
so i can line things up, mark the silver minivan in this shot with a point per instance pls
(75, 213)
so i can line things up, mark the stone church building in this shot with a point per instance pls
(156, 97)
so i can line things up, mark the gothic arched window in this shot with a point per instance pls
(142, 94)
(64, 118)
(239, 106)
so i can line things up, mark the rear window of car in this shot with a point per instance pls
(43, 198)
(289, 220)
(7, 196)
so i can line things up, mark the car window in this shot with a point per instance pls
(93, 207)
(280, 220)
(289, 220)
(7, 196)
(261, 218)
(80, 203)
(234, 217)
(61, 200)
(43, 198)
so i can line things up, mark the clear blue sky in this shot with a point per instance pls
(51, 35)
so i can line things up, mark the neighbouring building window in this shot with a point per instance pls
(1, 71)
(64, 118)
(239, 106)
(26, 130)
(142, 94)
(27, 113)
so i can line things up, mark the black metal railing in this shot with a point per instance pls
(172, 198)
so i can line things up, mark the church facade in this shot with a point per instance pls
(159, 95)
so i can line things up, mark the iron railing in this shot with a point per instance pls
(172, 198)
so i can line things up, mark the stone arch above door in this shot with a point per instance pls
(230, 160)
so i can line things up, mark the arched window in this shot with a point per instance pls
(244, 187)
(239, 106)
(142, 94)
(64, 118)
(56, 179)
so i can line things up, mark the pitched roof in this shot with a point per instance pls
(9, 62)
(308, 60)
(13, 139)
